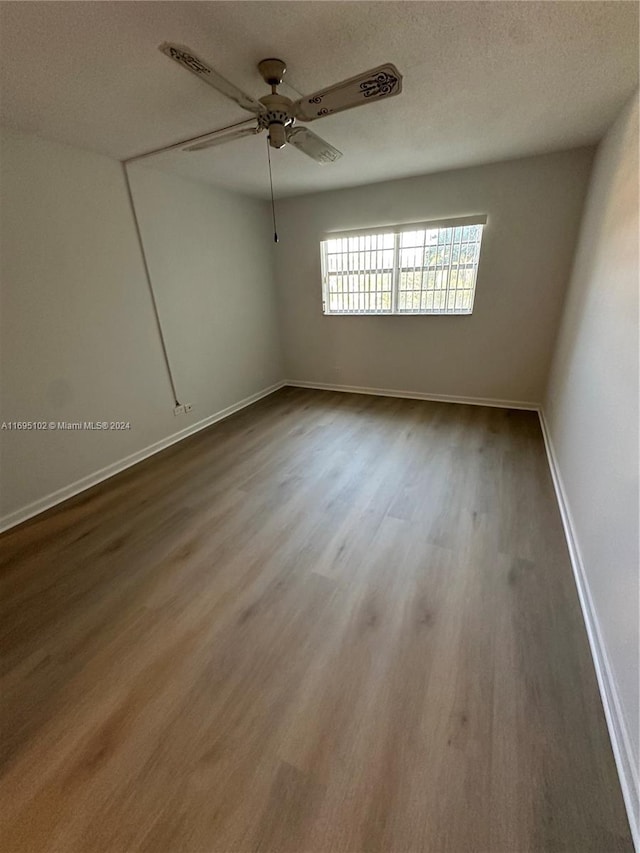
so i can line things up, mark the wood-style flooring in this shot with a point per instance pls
(330, 622)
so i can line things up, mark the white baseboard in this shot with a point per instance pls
(616, 723)
(90, 480)
(415, 395)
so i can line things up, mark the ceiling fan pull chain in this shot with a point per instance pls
(273, 206)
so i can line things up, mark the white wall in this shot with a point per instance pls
(78, 335)
(210, 255)
(503, 350)
(592, 412)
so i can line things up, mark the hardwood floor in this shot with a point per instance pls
(329, 623)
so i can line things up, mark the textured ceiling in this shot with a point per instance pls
(482, 81)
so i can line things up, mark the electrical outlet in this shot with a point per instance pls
(178, 410)
(187, 408)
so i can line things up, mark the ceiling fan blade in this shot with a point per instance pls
(219, 137)
(385, 81)
(312, 145)
(184, 56)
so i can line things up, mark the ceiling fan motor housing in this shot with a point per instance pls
(277, 118)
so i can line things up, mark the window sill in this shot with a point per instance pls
(397, 313)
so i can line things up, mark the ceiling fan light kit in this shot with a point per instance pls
(278, 114)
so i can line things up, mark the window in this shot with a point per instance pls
(421, 268)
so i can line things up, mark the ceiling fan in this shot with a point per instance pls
(278, 114)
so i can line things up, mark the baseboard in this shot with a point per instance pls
(57, 497)
(415, 395)
(616, 722)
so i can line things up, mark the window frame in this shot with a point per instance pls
(397, 231)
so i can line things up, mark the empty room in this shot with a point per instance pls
(319, 427)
